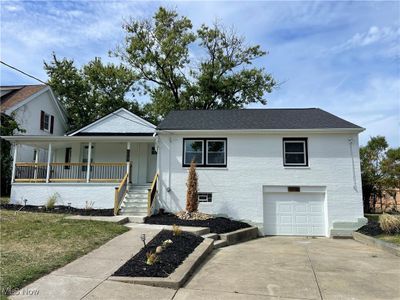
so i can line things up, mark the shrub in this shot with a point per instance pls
(176, 230)
(51, 202)
(192, 201)
(390, 223)
(89, 204)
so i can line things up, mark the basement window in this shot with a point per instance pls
(204, 197)
(295, 152)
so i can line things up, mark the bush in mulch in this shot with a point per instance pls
(59, 209)
(216, 225)
(168, 260)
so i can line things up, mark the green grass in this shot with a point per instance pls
(395, 238)
(34, 244)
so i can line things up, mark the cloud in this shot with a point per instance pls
(373, 36)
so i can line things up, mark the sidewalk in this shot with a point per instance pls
(85, 278)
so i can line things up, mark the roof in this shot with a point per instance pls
(18, 94)
(254, 119)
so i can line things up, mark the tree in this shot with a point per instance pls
(8, 126)
(160, 52)
(192, 201)
(91, 92)
(380, 170)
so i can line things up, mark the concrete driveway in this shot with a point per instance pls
(296, 268)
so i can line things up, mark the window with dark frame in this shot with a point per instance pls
(295, 152)
(204, 197)
(46, 122)
(205, 152)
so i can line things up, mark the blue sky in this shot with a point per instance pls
(343, 57)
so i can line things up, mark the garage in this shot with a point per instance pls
(288, 213)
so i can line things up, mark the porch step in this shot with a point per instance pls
(133, 211)
(135, 201)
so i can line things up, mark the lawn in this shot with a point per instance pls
(34, 244)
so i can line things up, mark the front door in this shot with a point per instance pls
(151, 162)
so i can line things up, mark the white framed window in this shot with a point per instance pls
(295, 152)
(216, 152)
(46, 122)
(193, 150)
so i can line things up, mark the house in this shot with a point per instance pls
(37, 111)
(288, 171)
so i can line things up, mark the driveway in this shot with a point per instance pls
(296, 268)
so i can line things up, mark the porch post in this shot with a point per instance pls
(48, 164)
(36, 162)
(88, 162)
(128, 159)
(14, 162)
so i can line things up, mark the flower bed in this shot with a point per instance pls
(167, 261)
(216, 225)
(60, 209)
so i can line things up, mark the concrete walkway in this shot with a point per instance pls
(266, 268)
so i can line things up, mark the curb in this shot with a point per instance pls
(371, 241)
(180, 275)
(240, 235)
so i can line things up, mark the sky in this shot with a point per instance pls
(343, 57)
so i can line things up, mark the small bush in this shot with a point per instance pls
(89, 204)
(4, 200)
(51, 202)
(390, 223)
(176, 230)
(152, 258)
(192, 201)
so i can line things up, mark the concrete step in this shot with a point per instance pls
(220, 244)
(213, 236)
(134, 208)
(134, 204)
(342, 232)
(136, 218)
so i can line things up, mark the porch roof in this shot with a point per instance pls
(43, 140)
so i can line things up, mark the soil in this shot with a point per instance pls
(216, 225)
(168, 260)
(60, 209)
(371, 229)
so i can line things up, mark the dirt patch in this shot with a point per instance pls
(59, 209)
(371, 229)
(168, 260)
(216, 225)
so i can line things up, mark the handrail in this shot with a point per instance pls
(151, 194)
(120, 192)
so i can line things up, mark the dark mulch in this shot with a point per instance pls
(371, 229)
(59, 209)
(216, 225)
(169, 259)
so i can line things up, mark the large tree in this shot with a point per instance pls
(182, 68)
(92, 91)
(380, 170)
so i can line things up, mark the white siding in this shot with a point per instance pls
(254, 161)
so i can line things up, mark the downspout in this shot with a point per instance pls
(353, 164)
(169, 164)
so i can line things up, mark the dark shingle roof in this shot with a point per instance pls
(18, 94)
(296, 118)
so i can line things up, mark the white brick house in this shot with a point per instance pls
(288, 171)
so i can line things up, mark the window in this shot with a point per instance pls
(67, 160)
(205, 152)
(204, 197)
(295, 152)
(46, 122)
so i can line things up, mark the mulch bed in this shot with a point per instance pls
(371, 229)
(59, 209)
(169, 259)
(216, 225)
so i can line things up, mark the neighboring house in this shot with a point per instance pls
(288, 171)
(37, 111)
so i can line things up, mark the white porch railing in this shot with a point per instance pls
(70, 172)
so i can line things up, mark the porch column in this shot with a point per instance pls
(128, 159)
(36, 162)
(88, 162)
(14, 162)
(48, 164)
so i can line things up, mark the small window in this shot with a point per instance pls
(153, 151)
(295, 152)
(216, 152)
(204, 197)
(67, 160)
(46, 122)
(193, 150)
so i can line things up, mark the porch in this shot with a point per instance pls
(82, 169)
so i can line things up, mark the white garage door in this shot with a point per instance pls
(294, 214)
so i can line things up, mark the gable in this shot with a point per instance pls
(120, 122)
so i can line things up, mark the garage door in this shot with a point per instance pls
(294, 214)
